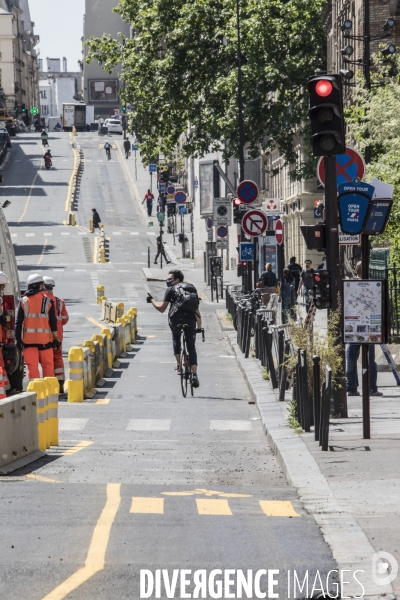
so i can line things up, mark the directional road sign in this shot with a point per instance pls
(279, 232)
(222, 231)
(153, 168)
(180, 197)
(254, 223)
(246, 251)
(247, 192)
(171, 189)
(349, 166)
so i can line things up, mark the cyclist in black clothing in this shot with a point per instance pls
(177, 318)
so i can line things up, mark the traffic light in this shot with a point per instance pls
(322, 289)
(237, 211)
(314, 236)
(23, 108)
(241, 269)
(124, 108)
(326, 114)
(164, 176)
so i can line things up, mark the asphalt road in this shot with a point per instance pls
(143, 478)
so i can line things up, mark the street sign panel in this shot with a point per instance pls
(222, 211)
(272, 206)
(153, 168)
(382, 190)
(134, 147)
(182, 210)
(209, 222)
(247, 192)
(353, 210)
(222, 243)
(377, 217)
(279, 232)
(210, 236)
(349, 166)
(162, 188)
(254, 223)
(222, 231)
(180, 197)
(170, 190)
(246, 251)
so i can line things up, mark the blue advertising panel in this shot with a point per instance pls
(377, 217)
(359, 188)
(246, 251)
(353, 210)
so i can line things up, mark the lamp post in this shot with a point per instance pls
(240, 98)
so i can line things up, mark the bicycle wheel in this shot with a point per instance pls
(184, 379)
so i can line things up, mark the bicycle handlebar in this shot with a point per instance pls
(202, 332)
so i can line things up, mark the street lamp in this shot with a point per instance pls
(240, 97)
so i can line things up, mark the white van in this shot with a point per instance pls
(8, 264)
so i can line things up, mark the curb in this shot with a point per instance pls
(148, 275)
(350, 546)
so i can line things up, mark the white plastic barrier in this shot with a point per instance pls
(19, 444)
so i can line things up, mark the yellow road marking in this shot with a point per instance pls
(207, 493)
(135, 190)
(43, 252)
(278, 508)
(42, 478)
(95, 558)
(70, 183)
(153, 506)
(77, 448)
(29, 196)
(213, 507)
(96, 249)
(96, 322)
(103, 401)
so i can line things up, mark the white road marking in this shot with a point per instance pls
(13, 235)
(71, 424)
(149, 425)
(116, 233)
(30, 235)
(80, 270)
(47, 234)
(134, 232)
(151, 233)
(65, 233)
(222, 425)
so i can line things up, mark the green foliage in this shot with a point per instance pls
(182, 78)
(374, 120)
(292, 418)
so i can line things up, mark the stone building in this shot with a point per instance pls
(57, 86)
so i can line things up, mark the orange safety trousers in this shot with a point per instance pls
(4, 383)
(33, 356)
(58, 364)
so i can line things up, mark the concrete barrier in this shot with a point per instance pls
(19, 443)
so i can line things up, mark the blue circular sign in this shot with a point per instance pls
(209, 222)
(170, 190)
(247, 192)
(222, 231)
(180, 197)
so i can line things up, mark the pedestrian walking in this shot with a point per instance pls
(306, 282)
(36, 328)
(322, 266)
(62, 320)
(160, 250)
(127, 148)
(149, 197)
(288, 293)
(4, 383)
(267, 283)
(96, 220)
(295, 269)
(352, 356)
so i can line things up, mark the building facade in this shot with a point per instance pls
(57, 86)
(101, 89)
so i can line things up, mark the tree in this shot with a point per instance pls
(374, 120)
(180, 71)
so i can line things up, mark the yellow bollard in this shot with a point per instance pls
(74, 131)
(46, 414)
(53, 388)
(120, 310)
(98, 337)
(121, 321)
(75, 383)
(102, 254)
(39, 388)
(91, 228)
(108, 335)
(100, 293)
(92, 366)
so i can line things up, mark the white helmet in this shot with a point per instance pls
(34, 278)
(49, 281)
(3, 278)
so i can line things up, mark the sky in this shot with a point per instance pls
(59, 24)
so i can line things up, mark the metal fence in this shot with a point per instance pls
(392, 274)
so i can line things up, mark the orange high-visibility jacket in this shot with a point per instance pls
(36, 325)
(61, 313)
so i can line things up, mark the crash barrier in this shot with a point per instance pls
(104, 244)
(93, 361)
(47, 392)
(76, 185)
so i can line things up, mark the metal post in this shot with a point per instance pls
(333, 262)
(151, 181)
(255, 262)
(317, 395)
(161, 244)
(135, 166)
(148, 256)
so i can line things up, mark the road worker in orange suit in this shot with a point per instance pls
(36, 328)
(62, 319)
(4, 383)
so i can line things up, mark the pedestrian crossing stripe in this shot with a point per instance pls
(213, 507)
(204, 492)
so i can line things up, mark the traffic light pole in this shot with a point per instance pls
(333, 262)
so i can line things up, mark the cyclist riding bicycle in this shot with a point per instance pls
(107, 147)
(183, 312)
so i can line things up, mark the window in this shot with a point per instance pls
(1, 78)
(43, 94)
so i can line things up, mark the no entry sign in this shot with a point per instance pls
(180, 197)
(254, 222)
(279, 232)
(348, 167)
(247, 192)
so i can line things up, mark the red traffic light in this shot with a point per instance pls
(237, 202)
(317, 277)
(244, 264)
(324, 88)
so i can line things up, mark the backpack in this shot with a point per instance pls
(187, 299)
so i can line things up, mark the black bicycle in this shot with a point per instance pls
(108, 152)
(184, 364)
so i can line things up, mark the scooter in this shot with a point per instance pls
(47, 162)
(45, 142)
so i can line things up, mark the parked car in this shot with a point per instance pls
(114, 126)
(4, 135)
